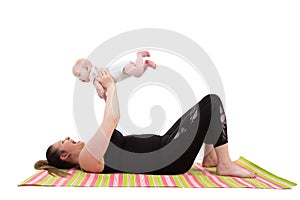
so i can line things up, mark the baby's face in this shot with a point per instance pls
(83, 74)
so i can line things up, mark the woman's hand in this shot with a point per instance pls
(104, 78)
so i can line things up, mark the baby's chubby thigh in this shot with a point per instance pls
(116, 70)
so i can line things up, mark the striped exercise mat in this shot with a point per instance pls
(196, 177)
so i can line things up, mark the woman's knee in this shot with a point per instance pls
(212, 98)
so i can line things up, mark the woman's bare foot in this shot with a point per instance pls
(231, 169)
(143, 54)
(210, 160)
(150, 63)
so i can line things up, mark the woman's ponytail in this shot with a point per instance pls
(44, 165)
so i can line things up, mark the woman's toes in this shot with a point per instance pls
(233, 170)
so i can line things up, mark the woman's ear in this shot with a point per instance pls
(65, 156)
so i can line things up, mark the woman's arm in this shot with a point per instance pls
(91, 156)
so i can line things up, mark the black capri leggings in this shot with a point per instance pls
(205, 122)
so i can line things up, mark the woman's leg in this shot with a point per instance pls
(210, 158)
(225, 167)
(212, 130)
(218, 155)
(193, 127)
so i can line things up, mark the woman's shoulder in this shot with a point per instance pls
(88, 163)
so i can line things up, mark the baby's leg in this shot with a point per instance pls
(133, 70)
(139, 58)
(137, 71)
(138, 68)
(150, 63)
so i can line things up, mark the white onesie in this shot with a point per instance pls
(116, 71)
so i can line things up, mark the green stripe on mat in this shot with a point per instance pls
(106, 179)
(233, 182)
(184, 182)
(151, 180)
(178, 183)
(82, 175)
(200, 179)
(97, 183)
(224, 179)
(70, 182)
(52, 180)
(212, 184)
(44, 180)
(255, 182)
(159, 180)
(285, 181)
(132, 180)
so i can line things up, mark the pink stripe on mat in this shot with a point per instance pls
(267, 182)
(198, 182)
(171, 180)
(59, 182)
(120, 179)
(245, 183)
(142, 180)
(190, 181)
(89, 181)
(93, 180)
(111, 180)
(85, 180)
(73, 172)
(164, 181)
(147, 182)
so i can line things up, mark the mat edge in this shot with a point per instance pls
(266, 171)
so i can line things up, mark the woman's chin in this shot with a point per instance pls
(79, 143)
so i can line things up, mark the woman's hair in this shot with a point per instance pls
(53, 164)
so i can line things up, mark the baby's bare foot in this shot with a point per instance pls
(143, 54)
(150, 63)
(234, 170)
(210, 160)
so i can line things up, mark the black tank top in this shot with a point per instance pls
(131, 143)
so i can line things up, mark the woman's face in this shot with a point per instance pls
(69, 145)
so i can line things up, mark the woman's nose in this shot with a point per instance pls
(67, 138)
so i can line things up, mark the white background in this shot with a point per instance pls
(255, 46)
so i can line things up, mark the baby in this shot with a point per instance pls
(85, 71)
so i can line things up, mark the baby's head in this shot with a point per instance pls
(82, 69)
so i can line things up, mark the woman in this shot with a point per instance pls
(108, 151)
